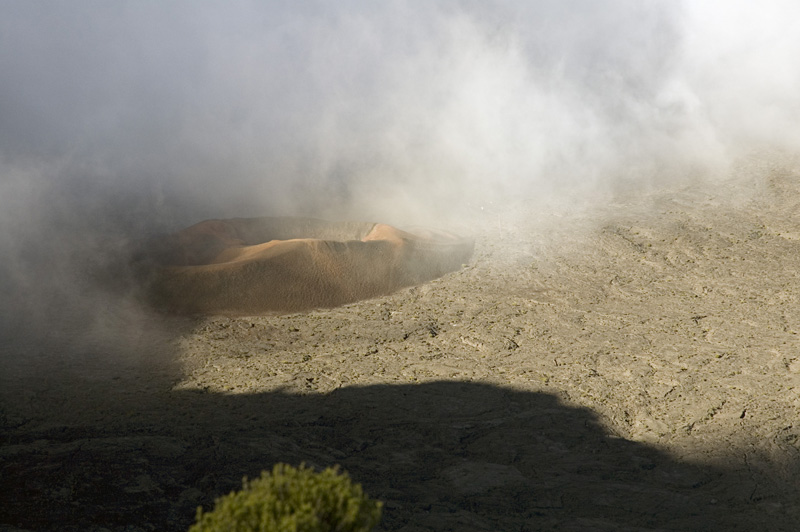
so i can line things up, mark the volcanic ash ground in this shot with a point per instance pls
(631, 367)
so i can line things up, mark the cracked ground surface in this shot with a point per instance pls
(633, 367)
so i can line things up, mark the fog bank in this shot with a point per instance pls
(122, 119)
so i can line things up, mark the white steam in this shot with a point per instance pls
(122, 118)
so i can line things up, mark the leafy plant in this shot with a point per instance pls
(293, 500)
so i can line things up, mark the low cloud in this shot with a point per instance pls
(118, 120)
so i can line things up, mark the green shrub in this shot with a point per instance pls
(293, 500)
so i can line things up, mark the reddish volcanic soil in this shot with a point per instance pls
(253, 266)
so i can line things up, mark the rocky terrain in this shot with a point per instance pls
(634, 366)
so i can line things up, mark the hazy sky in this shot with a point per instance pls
(121, 118)
(257, 106)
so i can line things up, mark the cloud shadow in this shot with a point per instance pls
(442, 456)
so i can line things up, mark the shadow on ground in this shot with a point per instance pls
(443, 456)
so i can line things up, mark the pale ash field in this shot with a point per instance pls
(635, 367)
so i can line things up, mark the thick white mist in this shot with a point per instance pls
(739, 60)
(119, 119)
